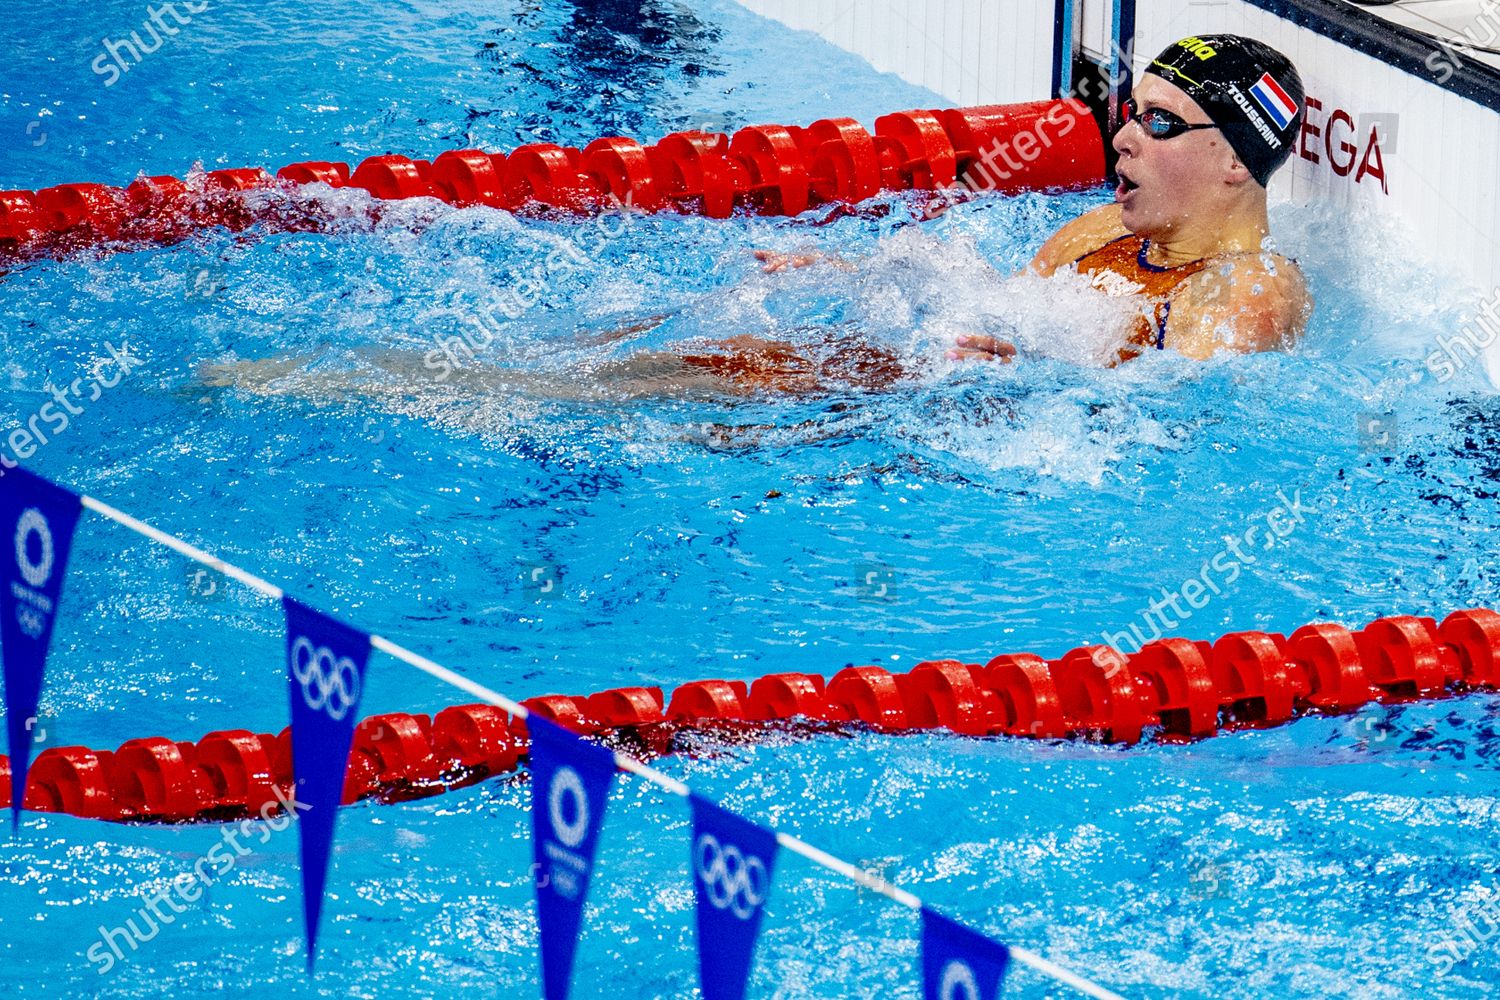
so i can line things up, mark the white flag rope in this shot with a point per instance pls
(624, 762)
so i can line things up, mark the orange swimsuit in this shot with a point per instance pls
(1117, 268)
(1120, 267)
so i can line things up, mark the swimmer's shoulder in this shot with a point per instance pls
(1243, 302)
(1083, 235)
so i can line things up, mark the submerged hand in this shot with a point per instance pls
(982, 347)
(773, 260)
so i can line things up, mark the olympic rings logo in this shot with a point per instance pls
(32, 621)
(731, 881)
(566, 784)
(329, 683)
(959, 982)
(32, 522)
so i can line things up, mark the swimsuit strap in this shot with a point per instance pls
(1080, 259)
(1115, 256)
(1164, 310)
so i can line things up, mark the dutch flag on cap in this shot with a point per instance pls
(1269, 95)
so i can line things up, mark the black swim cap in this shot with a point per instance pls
(1251, 91)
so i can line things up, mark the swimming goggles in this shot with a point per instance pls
(1159, 123)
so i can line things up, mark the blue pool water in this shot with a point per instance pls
(971, 511)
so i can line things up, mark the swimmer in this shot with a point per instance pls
(1208, 123)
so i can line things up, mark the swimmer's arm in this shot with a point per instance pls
(1083, 235)
(1087, 233)
(1248, 305)
(773, 260)
(982, 347)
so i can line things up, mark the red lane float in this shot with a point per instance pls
(315, 172)
(1403, 657)
(1474, 637)
(768, 169)
(622, 169)
(778, 170)
(948, 693)
(1027, 695)
(843, 163)
(869, 695)
(465, 177)
(549, 175)
(1327, 655)
(72, 780)
(391, 177)
(476, 738)
(1026, 147)
(788, 696)
(1176, 689)
(1177, 686)
(709, 700)
(236, 765)
(696, 175)
(916, 153)
(1098, 695)
(1253, 678)
(88, 212)
(20, 220)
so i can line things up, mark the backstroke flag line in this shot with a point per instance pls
(732, 863)
(570, 781)
(325, 667)
(959, 963)
(38, 519)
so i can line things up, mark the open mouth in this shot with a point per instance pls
(1126, 186)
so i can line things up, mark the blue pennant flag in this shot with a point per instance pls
(733, 860)
(570, 781)
(325, 668)
(38, 519)
(959, 963)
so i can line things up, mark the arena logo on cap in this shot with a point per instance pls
(1198, 47)
(1274, 100)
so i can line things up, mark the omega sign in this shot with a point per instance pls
(1334, 139)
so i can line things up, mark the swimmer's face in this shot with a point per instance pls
(1165, 183)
